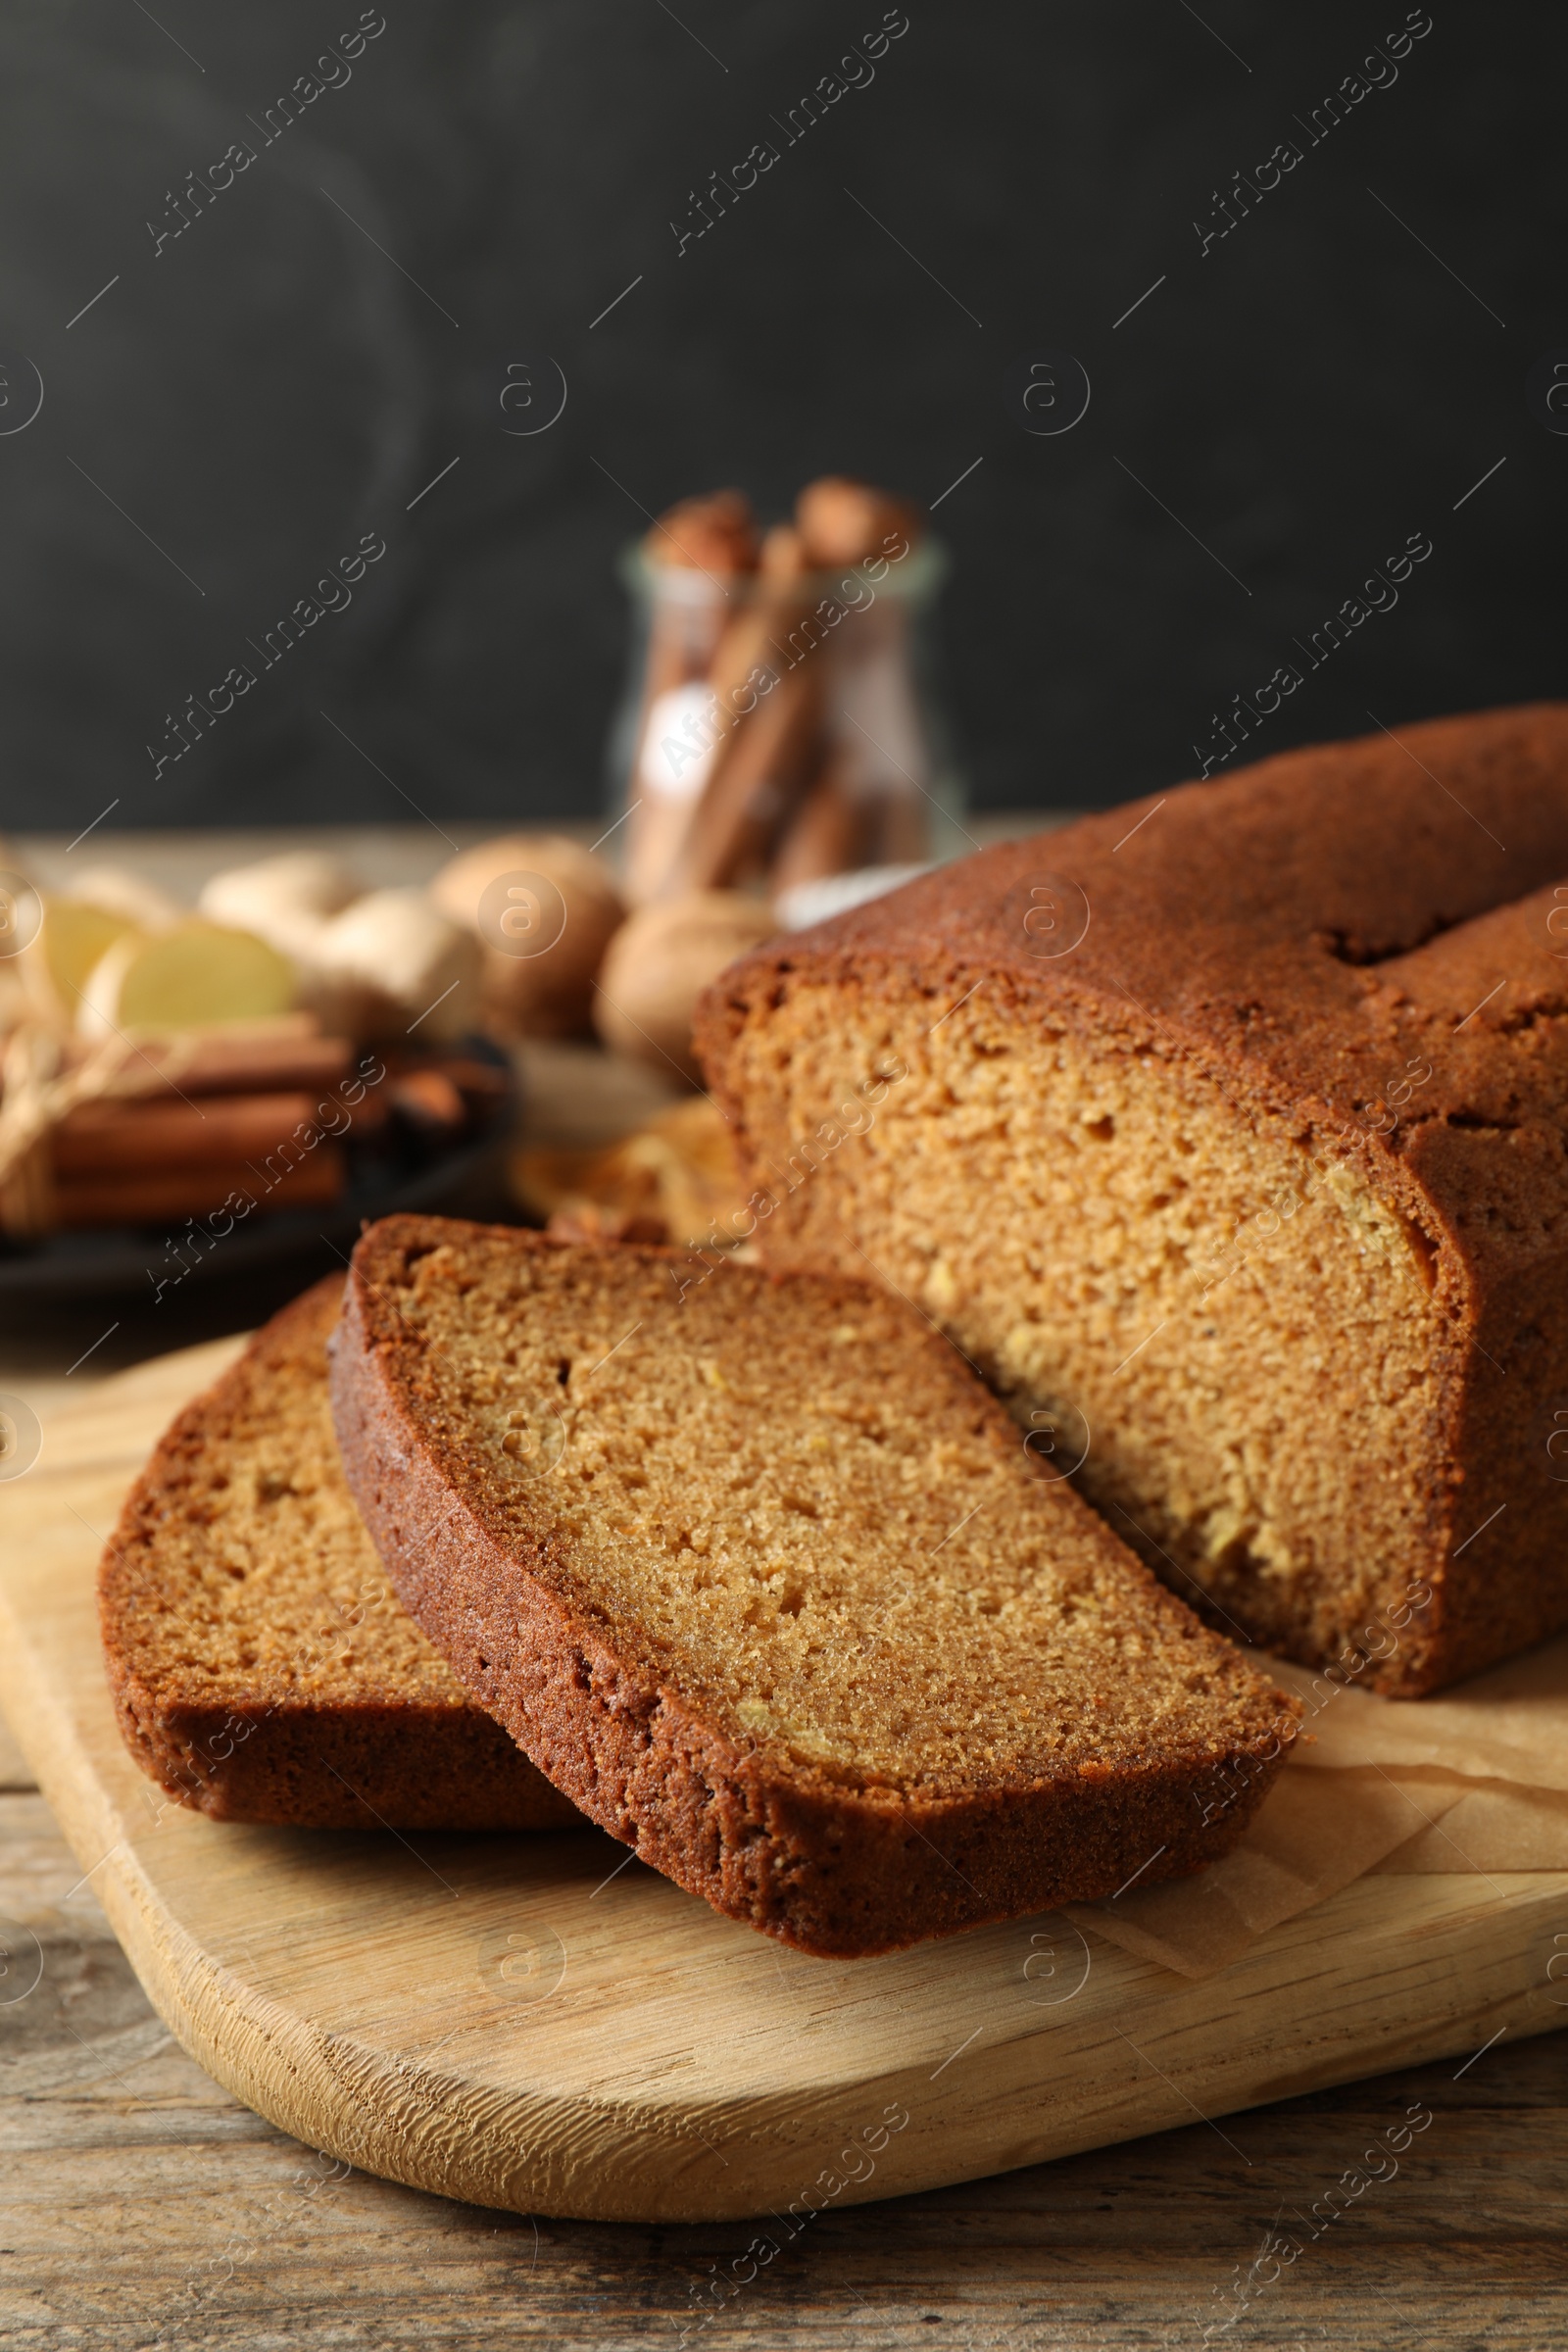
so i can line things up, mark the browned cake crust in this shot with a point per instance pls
(1256, 1093)
(711, 1604)
(261, 1666)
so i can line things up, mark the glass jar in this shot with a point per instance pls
(779, 730)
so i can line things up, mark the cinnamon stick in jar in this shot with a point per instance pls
(880, 753)
(844, 523)
(768, 686)
(826, 834)
(698, 555)
(715, 533)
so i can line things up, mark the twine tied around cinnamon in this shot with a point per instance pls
(42, 1084)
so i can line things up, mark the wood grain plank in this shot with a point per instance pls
(140, 2197)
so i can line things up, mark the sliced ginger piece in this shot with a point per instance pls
(196, 977)
(71, 941)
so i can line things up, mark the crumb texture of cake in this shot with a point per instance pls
(1228, 1133)
(765, 1582)
(261, 1665)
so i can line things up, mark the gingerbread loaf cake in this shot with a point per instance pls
(261, 1665)
(769, 1585)
(1228, 1134)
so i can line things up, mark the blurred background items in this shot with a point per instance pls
(365, 342)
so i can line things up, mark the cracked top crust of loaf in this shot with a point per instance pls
(764, 1579)
(1267, 1077)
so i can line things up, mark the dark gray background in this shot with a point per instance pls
(1314, 389)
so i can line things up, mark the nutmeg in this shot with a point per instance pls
(657, 965)
(544, 910)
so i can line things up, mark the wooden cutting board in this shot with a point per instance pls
(545, 2024)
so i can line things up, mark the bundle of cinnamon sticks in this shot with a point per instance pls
(260, 1113)
(741, 774)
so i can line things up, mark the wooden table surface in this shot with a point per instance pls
(141, 2205)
